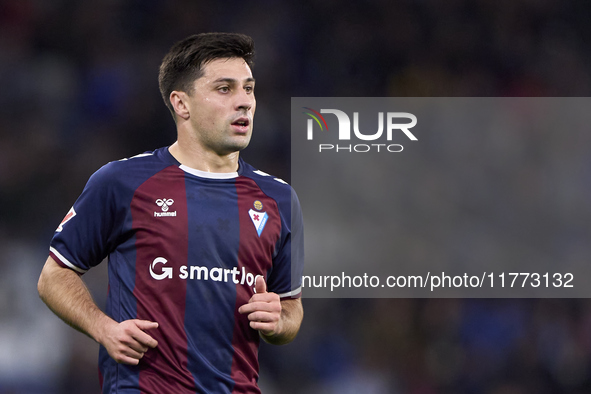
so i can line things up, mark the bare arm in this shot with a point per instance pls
(278, 321)
(64, 292)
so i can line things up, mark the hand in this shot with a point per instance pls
(127, 342)
(263, 309)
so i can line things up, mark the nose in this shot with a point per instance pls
(245, 101)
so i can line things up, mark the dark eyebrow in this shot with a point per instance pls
(232, 80)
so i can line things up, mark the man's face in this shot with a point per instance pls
(222, 106)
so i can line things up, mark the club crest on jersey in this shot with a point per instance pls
(71, 213)
(259, 219)
(164, 204)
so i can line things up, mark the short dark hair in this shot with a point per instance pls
(183, 64)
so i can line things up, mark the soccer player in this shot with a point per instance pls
(205, 252)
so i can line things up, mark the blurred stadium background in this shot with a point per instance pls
(78, 88)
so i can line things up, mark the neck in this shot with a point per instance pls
(194, 156)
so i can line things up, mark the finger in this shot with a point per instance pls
(136, 345)
(263, 306)
(260, 286)
(248, 308)
(127, 360)
(129, 353)
(263, 317)
(265, 297)
(257, 306)
(144, 339)
(145, 324)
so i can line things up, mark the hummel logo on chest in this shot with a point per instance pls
(164, 204)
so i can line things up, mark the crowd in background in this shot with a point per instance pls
(78, 88)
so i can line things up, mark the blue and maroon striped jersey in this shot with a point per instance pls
(184, 249)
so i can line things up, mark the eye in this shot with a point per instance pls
(224, 89)
(249, 89)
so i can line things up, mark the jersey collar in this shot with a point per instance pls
(209, 175)
(205, 174)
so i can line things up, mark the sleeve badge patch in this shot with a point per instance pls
(71, 213)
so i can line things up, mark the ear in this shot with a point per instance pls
(179, 102)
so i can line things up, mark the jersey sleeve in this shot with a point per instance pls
(288, 265)
(87, 233)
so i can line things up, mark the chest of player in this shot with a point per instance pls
(206, 222)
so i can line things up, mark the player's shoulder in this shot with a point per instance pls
(131, 169)
(274, 187)
(264, 179)
(143, 160)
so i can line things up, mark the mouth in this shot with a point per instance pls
(241, 124)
